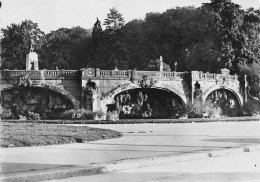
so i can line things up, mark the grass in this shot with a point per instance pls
(26, 135)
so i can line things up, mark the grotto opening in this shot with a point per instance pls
(225, 101)
(147, 103)
(19, 100)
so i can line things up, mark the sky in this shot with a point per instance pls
(53, 14)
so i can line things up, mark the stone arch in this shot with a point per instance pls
(53, 88)
(132, 101)
(217, 87)
(110, 95)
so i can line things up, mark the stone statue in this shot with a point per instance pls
(25, 80)
(32, 45)
(33, 67)
(90, 87)
(147, 82)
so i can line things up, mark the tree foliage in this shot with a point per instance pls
(234, 38)
(114, 52)
(114, 20)
(66, 49)
(216, 35)
(16, 43)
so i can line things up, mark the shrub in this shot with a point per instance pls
(250, 109)
(78, 114)
(198, 109)
(67, 114)
(33, 116)
(112, 115)
(98, 115)
(87, 114)
(5, 113)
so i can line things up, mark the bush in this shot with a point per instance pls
(98, 115)
(251, 110)
(85, 114)
(33, 116)
(68, 114)
(199, 109)
(112, 115)
(80, 114)
(5, 113)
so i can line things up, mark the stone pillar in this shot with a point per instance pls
(44, 73)
(161, 63)
(97, 72)
(62, 72)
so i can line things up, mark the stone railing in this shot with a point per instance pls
(71, 72)
(39, 74)
(197, 75)
(173, 75)
(36, 74)
(111, 74)
(130, 74)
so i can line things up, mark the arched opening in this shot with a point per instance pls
(147, 103)
(225, 101)
(19, 100)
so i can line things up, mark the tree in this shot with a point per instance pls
(16, 43)
(173, 34)
(233, 39)
(97, 32)
(134, 42)
(67, 48)
(97, 46)
(114, 20)
(114, 44)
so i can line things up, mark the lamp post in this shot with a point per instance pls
(175, 66)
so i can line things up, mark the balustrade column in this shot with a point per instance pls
(42, 74)
(129, 73)
(113, 73)
(62, 72)
(132, 75)
(97, 72)
(45, 73)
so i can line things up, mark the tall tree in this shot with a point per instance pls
(114, 20)
(114, 36)
(97, 46)
(232, 40)
(134, 41)
(16, 43)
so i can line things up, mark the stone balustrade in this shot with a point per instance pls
(39, 74)
(130, 74)
(198, 75)
(112, 74)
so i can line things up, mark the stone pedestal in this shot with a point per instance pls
(32, 61)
